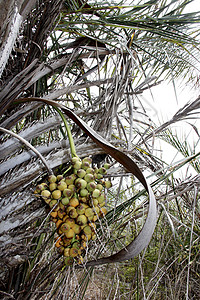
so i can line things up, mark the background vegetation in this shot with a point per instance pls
(99, 59)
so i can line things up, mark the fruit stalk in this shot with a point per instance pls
(69, 134)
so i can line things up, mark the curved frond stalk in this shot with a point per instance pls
(30, 146)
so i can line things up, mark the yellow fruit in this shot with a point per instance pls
(61, 214)
(58, 223)
(52, 178)
(64, 227)
(76, 228)
(66, 252)
(81, 220)
(73, 202)
(61, 185)
(45, 194)
(56, 194)
(52, 203)
(52, 186)
(69, 234)
(54, 214)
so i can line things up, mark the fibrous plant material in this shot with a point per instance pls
(76, 206)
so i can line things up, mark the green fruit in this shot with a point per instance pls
(77, 165)
(64, 227)
(96, 193)
(87, 230)
(69, 234)
(60, 177)
(81, 173)
(81, 220)
(91, 186)
(99, 186)
(87, 159)
(75, 159)
(106, 166)
(80, 209)
(52, 203)
(70, 222)
(90, 171)
(72, 188)
(93, 202)
(85, 165)
(56, 194)
(67, 193)
(108, 184)
(52, 186)
(45, 194)
(89, 212)
(83, 192)
(76, 228)
(89, 177)
(102, 171)
(101, 198)
(73, 213)
(65, 200)
(52, 178)
(98, 176)
(61, 185)
(70, 179)
(74, 252)
(96, 210)
(40, 187)
(81, 184)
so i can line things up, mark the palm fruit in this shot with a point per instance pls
(70, 233)
(81, 173)
(81, 184)
(74, 252)
(52, 186)
(59, 177)
(93, 202)
(90, 171)
(108, 184)
(58, 223)
(65, 200)
(102, 204)
(87, 159)
(83, 192)
(102, 171)
(45, 194)
(67, 192)
(52, 203)
(61, 213)
(52, 178)
(89, 177)
(41, 187)
(81, 220)
(106, 166)
(101, 198)
(87, 230)
(85, 165)
(73, 202)
(70, 222)
(98, 176)
(66, 241)
(103, 211)
(54, 214)
(96, 209)
(61, 185)
(72, 188)
(66, 252)
(89, 212)
(80, 209)
(99, 186)
(64, 227)
(73, 213)
(61, 206)
(70, 179)
(77, 165)
(56, 194)
(76, 228)
(96, 193)
(82, 199)
(91, 186)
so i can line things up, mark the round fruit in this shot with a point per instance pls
(70, 233)
(81, 220)
(61, 185)
(52, 186)
(52, 178)
(81, 173)
(45, 194)
(73, 202)
(65, 200)
(96, 193)
(83, 192)
(56, 194)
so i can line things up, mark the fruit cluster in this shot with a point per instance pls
(78, 201)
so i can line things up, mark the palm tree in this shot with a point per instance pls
(89, 64)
